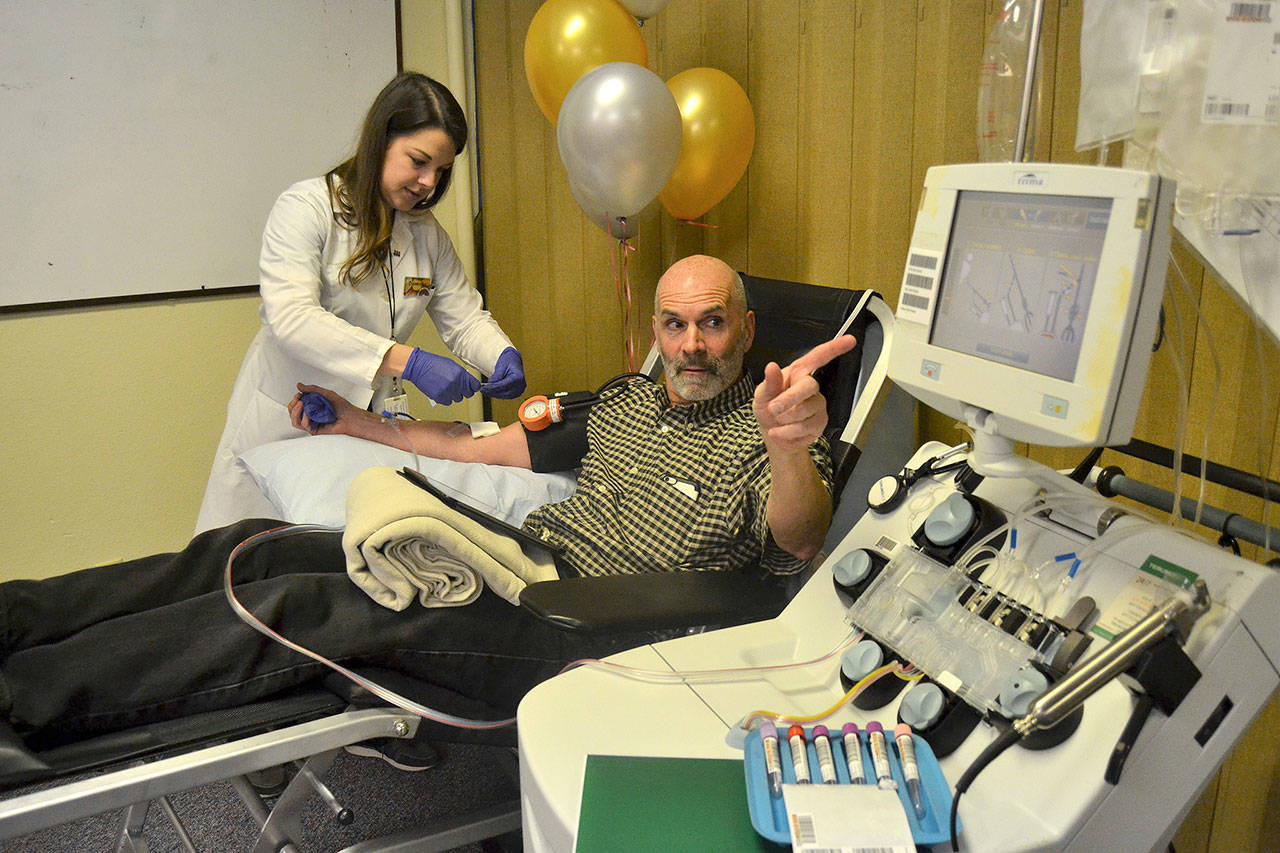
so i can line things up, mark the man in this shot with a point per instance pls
(703, 451)
(154, 638)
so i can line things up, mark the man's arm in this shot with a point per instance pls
(792, 414)
(426, 438)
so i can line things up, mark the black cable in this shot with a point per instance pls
(1223, 475)
(1081, 472)
(620, 378)
(1007, 738)
(594, 397)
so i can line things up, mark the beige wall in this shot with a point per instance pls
(853, 101)
(112, 414)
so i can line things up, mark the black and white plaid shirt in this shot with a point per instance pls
(670, 488)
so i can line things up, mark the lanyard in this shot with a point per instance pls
(388, 273)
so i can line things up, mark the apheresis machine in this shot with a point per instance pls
(1068, 673)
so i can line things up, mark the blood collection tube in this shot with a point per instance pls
(910, 770)
(826, 761)
(853, 754)
(880, 756)
(772, 761)
(799, 755)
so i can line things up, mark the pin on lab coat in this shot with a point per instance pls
(317, 330)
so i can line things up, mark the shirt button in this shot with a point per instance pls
(666, 428)
(635, 470)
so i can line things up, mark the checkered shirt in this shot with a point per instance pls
(670, 488)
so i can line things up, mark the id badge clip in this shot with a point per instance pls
(397, 402)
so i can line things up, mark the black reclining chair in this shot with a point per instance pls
(312, 725)
(791, 319)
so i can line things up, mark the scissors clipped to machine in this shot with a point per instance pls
(890, 490)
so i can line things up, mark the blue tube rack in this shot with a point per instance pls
(769, 814)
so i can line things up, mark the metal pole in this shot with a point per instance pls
(1028, 84)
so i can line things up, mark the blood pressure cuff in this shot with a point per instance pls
(561, 446)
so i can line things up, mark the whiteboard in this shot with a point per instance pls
(144, 141)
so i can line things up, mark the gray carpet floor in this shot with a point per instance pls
(384, 800)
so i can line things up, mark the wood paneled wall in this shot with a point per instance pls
(853, 102)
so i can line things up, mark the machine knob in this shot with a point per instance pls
(922, 705)
(853, 568)
(861, 659)
(950, 520)
(1021, 690)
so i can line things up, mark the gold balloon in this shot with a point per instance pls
(567, 38)
(719, 134)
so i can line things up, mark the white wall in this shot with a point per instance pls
(111, 415)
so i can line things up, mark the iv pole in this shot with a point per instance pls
(1029, 82)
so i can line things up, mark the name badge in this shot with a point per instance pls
(418, 286)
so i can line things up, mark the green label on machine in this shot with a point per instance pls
(1150, 587)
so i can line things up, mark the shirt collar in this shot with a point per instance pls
(704, 411)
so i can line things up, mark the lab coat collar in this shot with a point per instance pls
(402, 242)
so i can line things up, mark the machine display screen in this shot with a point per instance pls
(1018, 277)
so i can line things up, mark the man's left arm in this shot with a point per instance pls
(792, 414)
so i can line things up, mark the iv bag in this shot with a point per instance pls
(1000, 84)
(1219, 129)
(1117, 43)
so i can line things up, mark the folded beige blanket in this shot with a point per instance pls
(402, 542)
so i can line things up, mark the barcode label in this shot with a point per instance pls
(802, 829)
(923, 261)
(923, 282)
(805, 836)
(1220, 108)
(911, 300)
(1257, 13)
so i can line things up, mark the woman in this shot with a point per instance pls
(349, 263)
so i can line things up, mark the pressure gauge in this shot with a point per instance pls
(886, 493)
(535, 413)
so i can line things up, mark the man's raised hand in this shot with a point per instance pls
(791, 410)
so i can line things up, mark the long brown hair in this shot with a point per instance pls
(409, 103)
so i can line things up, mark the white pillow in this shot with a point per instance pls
(307, 478)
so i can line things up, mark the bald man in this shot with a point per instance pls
(701, 471)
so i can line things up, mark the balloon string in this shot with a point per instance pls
(696, 224)
(622, 284)
(625, 298)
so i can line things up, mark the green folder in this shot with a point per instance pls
(669, 804)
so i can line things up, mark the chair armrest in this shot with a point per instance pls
(654, 601)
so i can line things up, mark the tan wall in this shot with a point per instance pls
(853, 101)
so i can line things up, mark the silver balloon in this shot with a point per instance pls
(641, 9)
(617, 227)
(619, 134)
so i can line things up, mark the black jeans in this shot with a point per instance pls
(155, 638)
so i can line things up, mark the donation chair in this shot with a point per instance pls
(309, 727)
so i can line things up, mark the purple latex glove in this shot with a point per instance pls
(317, 409)
(507, 380)
(442, 379)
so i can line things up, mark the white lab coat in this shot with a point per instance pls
(317, 330)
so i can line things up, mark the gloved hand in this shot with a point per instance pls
(442, 379)
(317, 409)
(507, 380)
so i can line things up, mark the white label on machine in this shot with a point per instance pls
(1242, 85)
(846, 818)
(919, 285)
(1152, 586)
